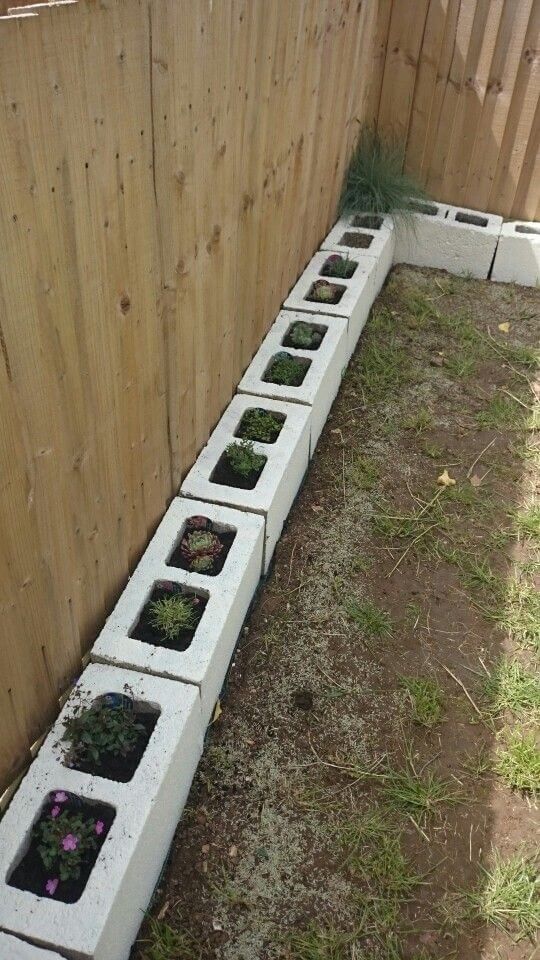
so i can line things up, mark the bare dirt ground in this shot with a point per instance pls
(369, 788)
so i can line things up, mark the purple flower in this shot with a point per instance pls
(70, 841)
(51, 886)
(99, 828)
(60, 796)
(55, 811)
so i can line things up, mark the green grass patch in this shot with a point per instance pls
(167, 943)
(362, 472)
(426, 700)
(320, 943)
(501, 413)
(419, 422)
(511, 687)
(518, 761)
(508, 896)
(527, 522)
(369, 618)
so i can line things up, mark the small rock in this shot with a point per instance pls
(437, 361)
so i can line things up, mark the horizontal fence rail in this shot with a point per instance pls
(167, 169)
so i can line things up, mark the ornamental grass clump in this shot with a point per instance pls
(102, 731)
(375, 182)
(172, 615)
(338, 266)
(243, 459)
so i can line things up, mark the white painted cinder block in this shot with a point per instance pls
(278, 484)
(358, 293)
(322, 380)
(11, 948)
(518, 253)
(467, 242)
(103, 923)
(229, 594)
(345, 235)
(418, 236)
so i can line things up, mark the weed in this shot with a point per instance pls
(419, 794)
(433, 450)
(426, 699)
(510, 686)
(460, 365)
(317, 943)
(518, 762)
(373, 851)
(375, 182)
(369, 618)
(527, 522)
(518, 613)
(508, 895)
(362, 472)
(381, 369)
(479, 763)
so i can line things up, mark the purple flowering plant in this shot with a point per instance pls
(63, 841)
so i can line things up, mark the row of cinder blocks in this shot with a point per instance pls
(182, 686)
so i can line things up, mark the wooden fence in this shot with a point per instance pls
(166, 170)
(458, 81)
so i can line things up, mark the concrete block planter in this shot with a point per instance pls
(11, 948)
(286, 461)
(102, 922)
(417, 239)
(365, 235)
(356, 294)
(224, 599)
(326, 365)
(518, 254)
(467, 242)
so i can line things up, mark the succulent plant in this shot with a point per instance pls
(199, 548)
(304, 335)
(323, 292)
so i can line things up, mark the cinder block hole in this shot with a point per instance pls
(302, 335)
(93, 759)
(462, 217)
(368, 220)
(202, 546)
(430, 209)
(287, 370)
(350, 239)
(338, 266)
(322, 291)
(67, 822)
(255, 421)
(523, 228)
(170, 616)
(226, 475)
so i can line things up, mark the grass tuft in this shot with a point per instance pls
(167, 943)
(518, 762)
(375, 182)
(509, 896)
(369, 618)
(510, 687)
(426, 700)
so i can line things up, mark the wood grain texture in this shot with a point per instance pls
(460, 90)
(167, 170)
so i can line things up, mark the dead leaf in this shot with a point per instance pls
(445, 480)
(216, 925)
(217, 712)
(476, 480)
(316, 508)
(205, 848)
(504, 327)
(233, 851)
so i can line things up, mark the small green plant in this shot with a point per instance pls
(528, 522)
(324, 292)
(261, 425)
(243, 459)
(419, 422)
(167, 943)
(508, 896)
(287, 370)
(200, 549)
(171, 615)
(426, 698)
(501, 413)
(101, 730)
(317, 943)
(304, 336)
(518, 762)
(338, 266)
(375, 182)
(64, 840)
